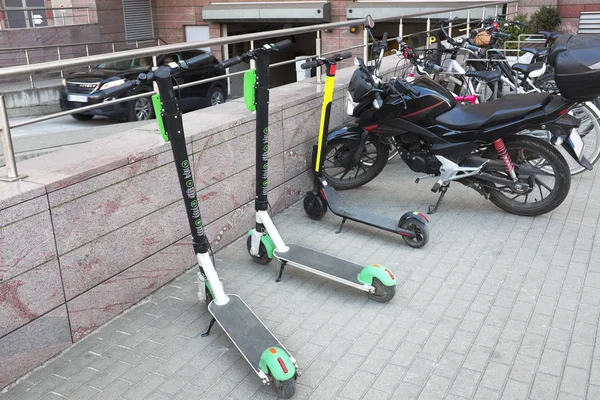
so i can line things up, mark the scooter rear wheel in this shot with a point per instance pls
(285, 389)
(262, 257)
(314, 206)
(383, 293)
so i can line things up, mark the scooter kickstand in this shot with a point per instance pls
(341, 226)
(281, 271)
(443, 190)
(212, 322)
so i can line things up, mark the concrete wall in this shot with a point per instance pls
(95, 228)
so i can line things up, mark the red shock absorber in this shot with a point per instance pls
(505, 157)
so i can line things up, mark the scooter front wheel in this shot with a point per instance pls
(262, 257)
(420, 230)
(314, 206)
(382, 293)
(285, 389)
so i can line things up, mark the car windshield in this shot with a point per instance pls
(126, 64)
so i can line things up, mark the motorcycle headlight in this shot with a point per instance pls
(110, 84)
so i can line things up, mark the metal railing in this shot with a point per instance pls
(11, 168)
(30, 55)
(22, 18)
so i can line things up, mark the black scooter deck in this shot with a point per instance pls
(245, 330)
(340, 208)
(322, 264)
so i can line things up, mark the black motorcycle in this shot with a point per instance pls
(476, 145)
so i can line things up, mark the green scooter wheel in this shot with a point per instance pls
(263, 255)
(285, 389)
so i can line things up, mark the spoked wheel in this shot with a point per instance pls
(392, 152)
(589, 130)
(589, 127)
(382, 293)
(420, 230)
(263, 256)
(314, 206)
(340, 169)
(542, 192)
(285, 389)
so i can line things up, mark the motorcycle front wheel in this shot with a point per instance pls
(342, 171)
(547, 190)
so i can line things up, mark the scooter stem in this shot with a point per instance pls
(325, 114)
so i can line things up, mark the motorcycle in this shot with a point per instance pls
(475, 145)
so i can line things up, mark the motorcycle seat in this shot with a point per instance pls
(486, 76)
(466, 117)
(536, 52)
(527, 69)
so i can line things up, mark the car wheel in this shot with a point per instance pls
(82, 117)
(216, 95)
(141, 109)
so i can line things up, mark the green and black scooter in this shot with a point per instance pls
(412, 226)
(264, 241)
(265, 354)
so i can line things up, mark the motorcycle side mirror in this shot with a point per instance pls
(369, 21)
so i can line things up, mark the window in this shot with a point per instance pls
(25, 18)
(138, 20)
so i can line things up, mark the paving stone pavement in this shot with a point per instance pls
(495, 306)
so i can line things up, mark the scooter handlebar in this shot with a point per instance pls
(116, 90)
(343, 56)
(310, 64)
(198, 60)
(231, 62)
(284, 44)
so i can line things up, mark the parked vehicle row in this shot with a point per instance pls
(493, 147)
(88, 87)
(436, 134)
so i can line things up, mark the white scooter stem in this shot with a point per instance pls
(220, 298)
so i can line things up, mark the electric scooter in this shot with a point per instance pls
(266, 355)
(264, 241)
(412, 226)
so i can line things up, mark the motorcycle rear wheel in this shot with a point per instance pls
(339, 156)
(542, 198)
